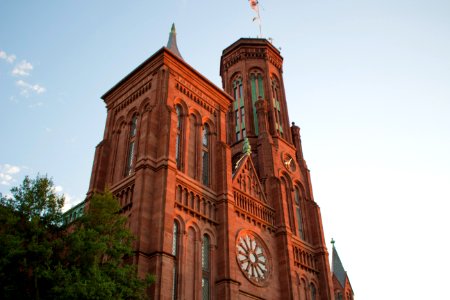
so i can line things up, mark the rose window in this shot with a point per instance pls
(252, 258)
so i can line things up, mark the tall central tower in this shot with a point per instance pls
(213, 181)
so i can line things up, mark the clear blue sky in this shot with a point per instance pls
(367, 81)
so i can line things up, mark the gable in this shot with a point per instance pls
(246, 179)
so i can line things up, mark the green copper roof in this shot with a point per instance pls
(172, 43)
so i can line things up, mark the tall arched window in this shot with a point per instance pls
(313, 291)
(131, 145)
(239, 110)
(205, 155)
(338, 296)
(288, 200)
(175, 250)
(277, 107)
(192, 147)
(298, 210)
(178, 151)
(206, 267)
(256, 82)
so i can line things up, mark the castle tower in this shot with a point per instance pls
(213, 181)
(252, 72)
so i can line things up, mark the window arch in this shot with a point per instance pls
(179, 138)
(131, 145)
(286, 191)
(276, 102)
(313, 290)
(338, 296)
(192, 143)
(175, 253)
(206, 145)
(206, 267)
(298, 210)
(239, 109)
(257, 86)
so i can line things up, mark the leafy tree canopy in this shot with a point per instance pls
(41, 258)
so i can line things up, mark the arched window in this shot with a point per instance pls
(178, 151)
(277, 107)
(131, 145)
(338, 296)
(206, 267)
(313, 291)
(256, 82)
(192, 145)
(239, 110)
(205, 155)
(175, 250)
(288, 200)
(298, 210)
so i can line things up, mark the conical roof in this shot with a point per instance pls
(172, 43)
(337, 267)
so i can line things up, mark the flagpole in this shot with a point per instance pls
(260, 30)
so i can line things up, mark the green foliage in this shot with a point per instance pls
(42, 259)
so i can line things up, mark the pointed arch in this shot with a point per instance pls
(286, 184)
(238, 106)
(277, 104)
(206, 267)
(132, 141)
(256, 76)
(206, 155)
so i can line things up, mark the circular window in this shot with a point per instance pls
(252, 257)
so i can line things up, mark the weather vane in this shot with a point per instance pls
(254, 4)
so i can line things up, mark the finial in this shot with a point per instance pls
(332, 242)
(246, 148)
(172, 43)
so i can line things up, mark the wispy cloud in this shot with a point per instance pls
(7, 173)
(26, 88)
(9, 58)
(22, 69)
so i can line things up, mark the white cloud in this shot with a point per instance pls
(6, 173)
(26, 88)
(22, 69)
(9, 58)
(69, 200)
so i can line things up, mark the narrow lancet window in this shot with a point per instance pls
(301, 232)
(178, 152)
(205, 268)
(205, 155)
(131, 146)
(175, 251)
(256, 82)
(313, 292)
(239, 110)
(277, 107)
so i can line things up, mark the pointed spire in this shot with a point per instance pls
(172, 43)
(336, 266)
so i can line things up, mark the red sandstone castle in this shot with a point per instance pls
(213, 181)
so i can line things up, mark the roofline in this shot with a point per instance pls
(176, 57)
(249, 41)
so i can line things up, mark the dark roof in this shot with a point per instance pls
(337, 268)
(172, 43)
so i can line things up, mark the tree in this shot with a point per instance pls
(40, 258)
(29, 227)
